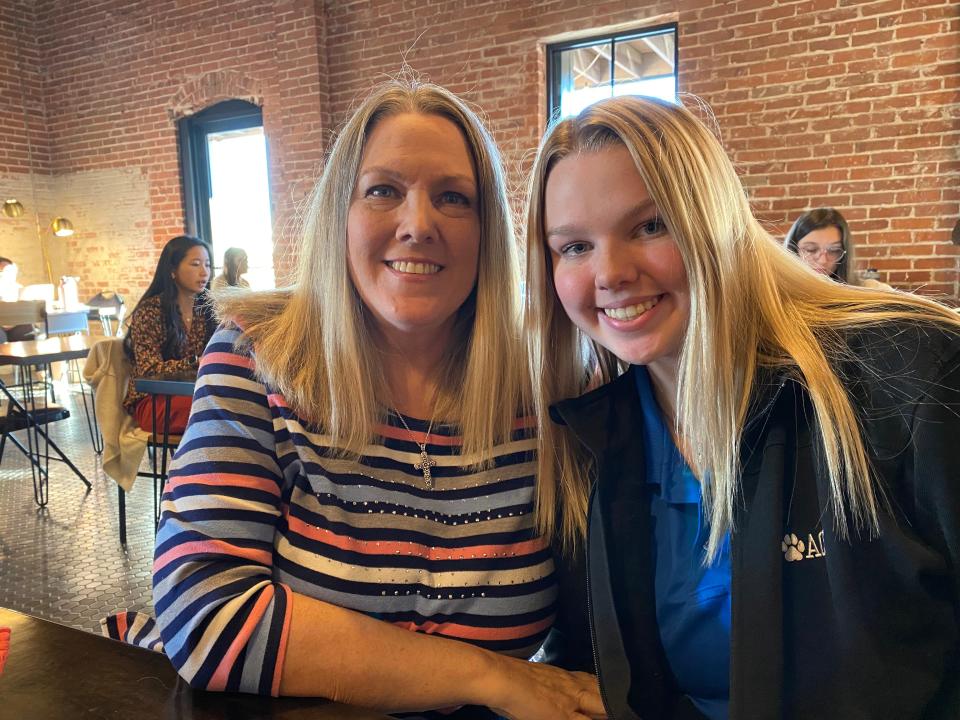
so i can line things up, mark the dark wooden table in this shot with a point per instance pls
(32, 354)
(42, 352)
(56, 672)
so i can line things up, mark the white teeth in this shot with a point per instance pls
(414, 268)
(630, 311)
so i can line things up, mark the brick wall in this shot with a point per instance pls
(820, 102)
(23, 138)
(22, 110)
(854, 104)
(850, 104)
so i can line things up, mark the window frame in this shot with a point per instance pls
(554, 51)
(192, 132)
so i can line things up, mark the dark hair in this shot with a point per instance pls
(231, 264)
(164, 287)
(8, 261)
(822, 218)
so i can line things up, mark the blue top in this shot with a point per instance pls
(693, 601)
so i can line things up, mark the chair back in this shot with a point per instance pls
(107, 307)
(22, 312)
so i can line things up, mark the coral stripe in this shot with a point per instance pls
(122, 626)
(386, 547)
(219, 679)
(527, 421)
(224, 480)
(277, 400)
(399, 433)
(223, 358)
(469, 632)
(212, 547)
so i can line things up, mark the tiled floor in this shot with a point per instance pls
(65, 562)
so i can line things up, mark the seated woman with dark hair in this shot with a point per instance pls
(821, 238)
(170, 327)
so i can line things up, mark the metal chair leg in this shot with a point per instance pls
(122, 511)
(96, 438)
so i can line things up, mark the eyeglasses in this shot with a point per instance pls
(811, 252)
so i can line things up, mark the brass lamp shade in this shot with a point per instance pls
(12, 208)
(62, 227)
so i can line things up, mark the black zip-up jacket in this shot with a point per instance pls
(822, 627)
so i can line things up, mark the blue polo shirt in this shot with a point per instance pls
(693, 601)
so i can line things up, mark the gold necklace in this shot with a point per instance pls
(426, 462)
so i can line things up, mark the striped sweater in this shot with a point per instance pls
(257, 506)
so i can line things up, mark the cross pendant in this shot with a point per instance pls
(426, 462)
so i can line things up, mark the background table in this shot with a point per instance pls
(39, 353)
(57, 672)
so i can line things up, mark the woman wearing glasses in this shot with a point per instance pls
(821, 238)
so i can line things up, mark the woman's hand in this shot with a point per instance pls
(535, 691)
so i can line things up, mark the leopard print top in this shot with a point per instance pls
(148, 332)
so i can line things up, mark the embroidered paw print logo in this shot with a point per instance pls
(792, 547)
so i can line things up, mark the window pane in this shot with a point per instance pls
(645, 66)
(240, 201)
(623, 65)
(584, 76)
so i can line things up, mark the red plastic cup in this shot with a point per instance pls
(4, 646)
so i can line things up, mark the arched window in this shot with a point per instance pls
(223, 163)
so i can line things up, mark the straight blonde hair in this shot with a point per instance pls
(314, 342)
(752, 304)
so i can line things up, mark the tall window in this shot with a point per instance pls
(631, 63)
(223, 154)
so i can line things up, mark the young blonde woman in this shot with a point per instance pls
(767, 474)
(350, 513)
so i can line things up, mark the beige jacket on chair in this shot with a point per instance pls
(107, 371)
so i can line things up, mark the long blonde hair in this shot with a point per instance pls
(752, 304)
(314, 342)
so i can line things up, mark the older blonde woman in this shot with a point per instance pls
(774, 524)
(350, 513)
